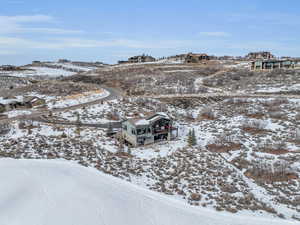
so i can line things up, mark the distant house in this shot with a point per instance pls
(142, 131)
(63, 61)
(297, 63)
(24, 103)
(4, 129)
(15, 104)
(177, 58)
(122, 61)
(139, 59)
(9, 68)
(196, 58)
(259, 55)
(275, 64)
(33, 101)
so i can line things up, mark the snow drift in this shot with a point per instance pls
(60, 193)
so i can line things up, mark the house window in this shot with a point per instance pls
(141, 131)
(133, 131)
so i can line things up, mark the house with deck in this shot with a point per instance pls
(148, 130)
(196, 58)
(260, 55)
(271, 64)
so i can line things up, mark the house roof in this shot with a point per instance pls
(196, 55)
(145, 121)
(31, 99)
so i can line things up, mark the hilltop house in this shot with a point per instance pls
(9, 68)
(260, 55)
(142, 131)
(139, 59)
(196, 58)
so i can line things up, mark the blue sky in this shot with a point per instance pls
(96, 30)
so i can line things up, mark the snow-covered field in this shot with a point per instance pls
(7, 101)
(40, 71)
(60, 193)
(278, 88)
(245, 65)
(16, 113)
(79, 99)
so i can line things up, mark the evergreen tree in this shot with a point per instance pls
(194, 139)
(190, 138)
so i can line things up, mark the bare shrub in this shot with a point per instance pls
(257, 112)
(297, 117)
(274, 108)
(297, 136)
(267, 172)
(275, 102)
(273, 147)
(254, 126)
(207, 113)
(238, 101)
(277, 114)
(189, 115)
(113, 115)
(225, 143)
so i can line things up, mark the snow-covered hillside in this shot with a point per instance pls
(71, 66)
(39, 71)
(60, 193)
(50, 69)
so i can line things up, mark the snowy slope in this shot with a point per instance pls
(73, 67)
(60, 193)
(39, 71)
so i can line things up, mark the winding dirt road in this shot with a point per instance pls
(37, 114)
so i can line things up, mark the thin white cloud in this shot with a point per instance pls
(215, 34)
(26, 18)
(63, 43)
(18, 24)
(48, 30)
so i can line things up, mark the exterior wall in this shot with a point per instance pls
(258, 65)
(127, 133)
(270, 65)
(149, 59)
